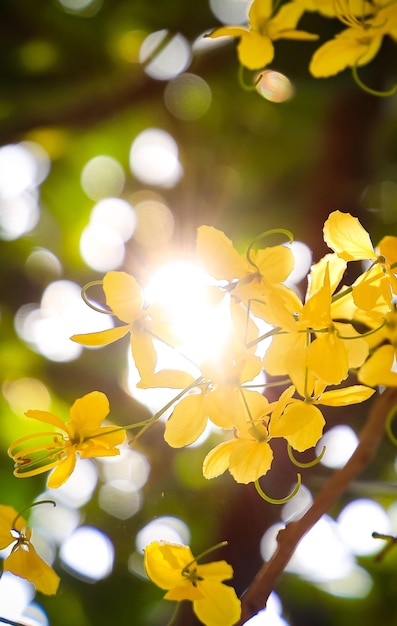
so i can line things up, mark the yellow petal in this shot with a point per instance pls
(217, 570)
(275, 263)
(388, 248)
(164, 563)
(295, 35)
(217, 460)
(301, 425)
(87, 413)
(286, 18)
(172, 379)
(378, 369)
(47, 418)
(101, 338)
(250, 460)
(336, 55)
(219, 606)
(218, 256)
(7, 516)
(255, 51)
(260, 12)
(187, 421)
(143, 353)
(62, 472)
(226, 31)
(346, 395)
(344, 234)
(326, 357)
(185, 591)
(123, 295)
(27, 564)
(336, 268)
(356, 348)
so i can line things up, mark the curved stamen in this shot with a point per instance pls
(389, 421)
(84, 290)
(364, 87)
(267, 498)
(267, 233)
(31, 506)
(309, 463)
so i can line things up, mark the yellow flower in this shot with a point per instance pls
(221, 398)
(82, 436)
(23, 559)
(257, 283)
(356, 45)
(255, 49)
(248, 456)
(124, 297)
(336, 347)
(372, 291)
(380, 368)
(174, 568)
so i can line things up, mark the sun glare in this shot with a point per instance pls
(184, 291)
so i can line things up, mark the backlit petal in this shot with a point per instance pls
(301, 425)
(187, 421)
(250, 460)
(337, 54)
(217, 460)
(123, 295)
(218, 256)
(47, 418)
(101, 338)
(62, 472)
(164, 563)
(344, 234)
(255, 50)
(378, 369)
(87, 413)
(27, 564)
(219, 606)
(7, 516)
(346, 395)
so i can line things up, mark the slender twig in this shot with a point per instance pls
(255, 597)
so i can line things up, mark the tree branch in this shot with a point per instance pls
(255, 597)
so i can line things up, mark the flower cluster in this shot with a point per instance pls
(364, 24)
(314, 343)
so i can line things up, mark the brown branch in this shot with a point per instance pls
(255, 597)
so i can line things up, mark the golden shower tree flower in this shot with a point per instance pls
(379, 369)
(257, 281)
(255, 49)
(373, 290)
(358, 44)
(23, 560)
(221, 398)
(248, 456)
(124, 298)
(319, 345)
(173, 567)
(83, 436)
